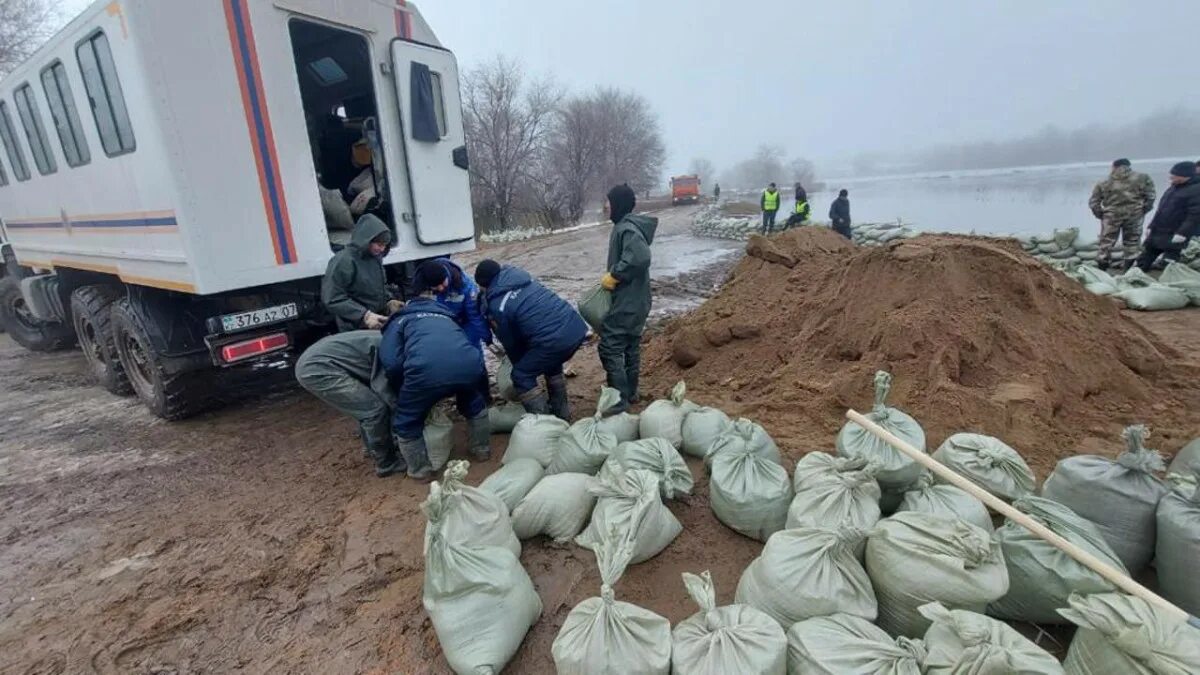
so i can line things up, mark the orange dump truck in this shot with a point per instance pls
(685, 189)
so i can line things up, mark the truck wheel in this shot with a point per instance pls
(91, 309)
(168, 394)
(30, 332)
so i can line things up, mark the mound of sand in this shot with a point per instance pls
(979, 336)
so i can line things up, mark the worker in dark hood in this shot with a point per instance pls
(344, 371)
(839, 214)
(1177, 219)
(628, 277)
(716, 192)
(354, 289)
(427, 357)
(539, 331)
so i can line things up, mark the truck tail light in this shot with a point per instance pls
(247, 349)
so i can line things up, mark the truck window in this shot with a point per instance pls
(16, 156)
(105, 96)
(439, 102)
(35, 133)
(65, 114)
(428, 106)
(3, 175)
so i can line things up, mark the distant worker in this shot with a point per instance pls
(343, 370)
(1121, 202)
(1177, 219)
(427, 357)
(354, 289)
(628, 277)
(539, 331)
(769, 202)
(716, 192)
(801, 193)
(800, 214)
(839, 214)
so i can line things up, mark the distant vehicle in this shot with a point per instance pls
(159, 189)
(685, 190)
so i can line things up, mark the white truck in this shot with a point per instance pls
(176, 174)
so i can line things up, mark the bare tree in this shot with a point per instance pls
(574, 155)
(24, 26)
(630, 145)
(507, 121)
(766, 166)
(802, 171)
(703, 168)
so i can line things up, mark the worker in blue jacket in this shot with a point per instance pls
(427, 357)
(457, 291)
(538, 329)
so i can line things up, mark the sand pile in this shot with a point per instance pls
(980, 337)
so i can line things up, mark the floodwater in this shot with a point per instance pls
(1022, 200)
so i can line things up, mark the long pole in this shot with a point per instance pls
(1112, 574)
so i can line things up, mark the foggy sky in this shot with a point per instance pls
(829, 80)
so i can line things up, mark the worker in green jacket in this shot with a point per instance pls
(354, 289)
(628, 277)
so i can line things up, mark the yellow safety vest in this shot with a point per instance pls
(770, 200)
(802, 208)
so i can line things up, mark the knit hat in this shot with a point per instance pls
(431, 274)
(621, 201)
(486, 271)
(1121, 162)
(1184, 170)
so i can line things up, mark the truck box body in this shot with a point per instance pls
(685, 189)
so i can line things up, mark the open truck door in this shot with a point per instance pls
(435, 150)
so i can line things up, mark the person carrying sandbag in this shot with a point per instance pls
(628, 278)
(539, 331)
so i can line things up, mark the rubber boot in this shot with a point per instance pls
(560, 406)
(631, 381)
(387, 461)
(535, 401)
(416, 456)
(479, 433)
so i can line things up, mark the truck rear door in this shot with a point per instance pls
(434, 142)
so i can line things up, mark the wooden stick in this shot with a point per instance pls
(1112, 574)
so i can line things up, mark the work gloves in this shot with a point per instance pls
(373, 321)
(609, 282)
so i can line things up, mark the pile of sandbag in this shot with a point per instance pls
(947, 501)
(558, 506)
(966, 642)
(1141, 291)
(710, 222)
(1041, 577)
(895, 471)
(878, 234)
(478, 596)
(1122, 634)
(989, 463)
(585, 445)
(806, 572)
(834, 492)
(664, 418)
(842, 643)
(1064, 249)
(604, 635)
(1121, 497)
(1178, 546)
(732, 639)
(916, 558)
(658, 456)
(628, 503)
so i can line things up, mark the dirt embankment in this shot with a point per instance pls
(980, 337)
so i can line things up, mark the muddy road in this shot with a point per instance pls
(255, 538)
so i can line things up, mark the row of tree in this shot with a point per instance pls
(537, 151)
(767, 165)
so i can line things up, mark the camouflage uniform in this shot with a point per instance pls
(1121, 202)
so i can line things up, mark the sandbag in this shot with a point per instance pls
(479, 599)
(1154, 298)
(916, 558)
(594, 305)
(512, 481)
(1040, 576)
(989, 463)
(896, 471)
(504, 383)
(1187, 460)
(584, 446)
(1178, 547)
(1182, 278)
(629, 504)
(806, 572)
(335, 209)
(469, 514)
(834, 492)
(947, 501)
(1119, 633)
(558, 506)
(966, 642)
(1048, 248)
(749, 494)
(622, 425)
(701, 427)
(439, 438)
(658, 456)
(535, 437)
(604, 636)
(841, 644)
(1120, 497)
(503, 418)
(664, 417)
(744, 436)
(731, 639)
(1066, 236)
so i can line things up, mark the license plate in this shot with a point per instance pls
(259, 317)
